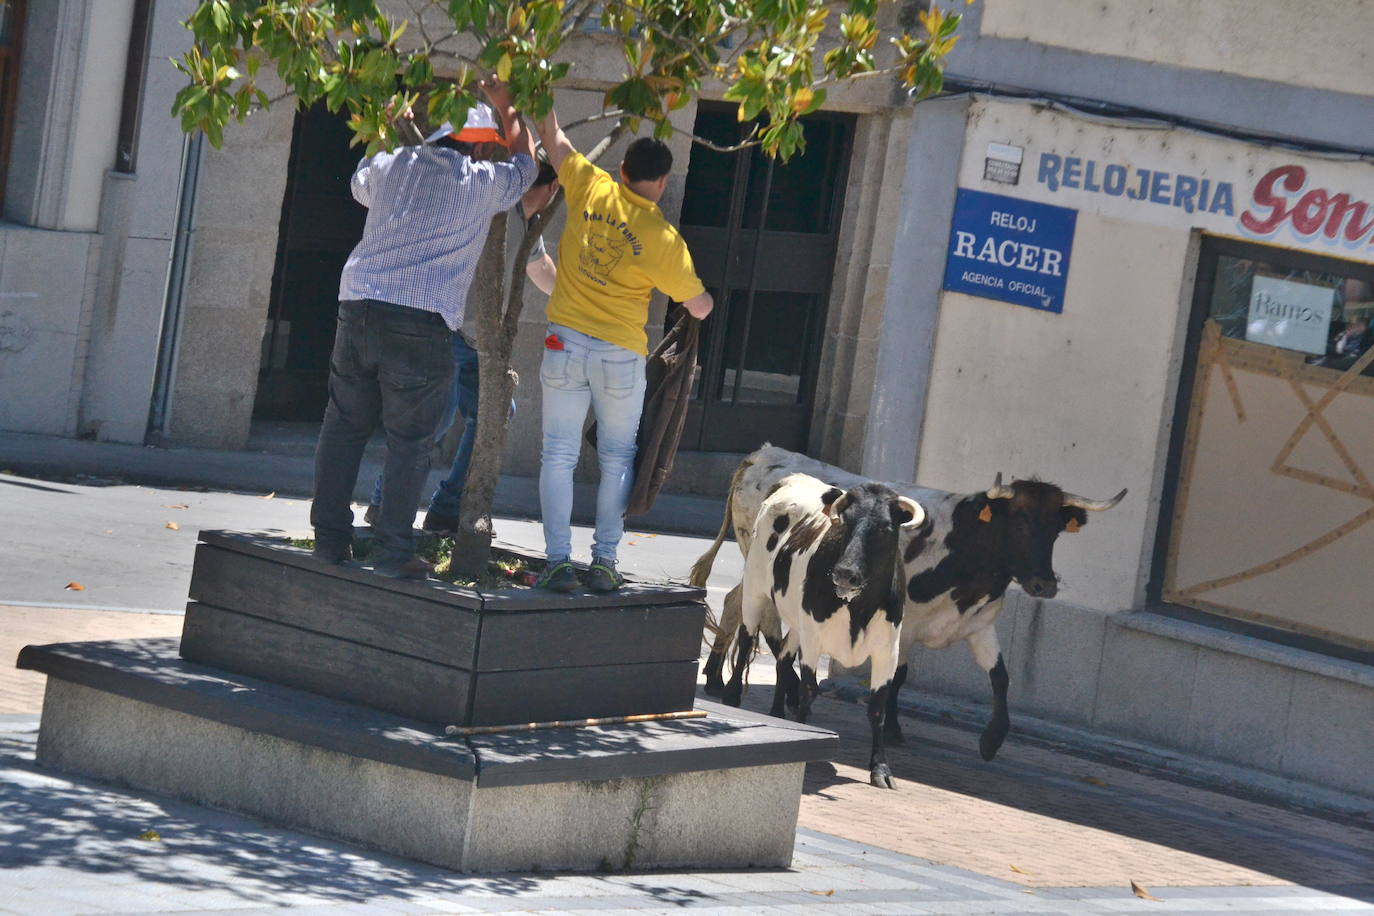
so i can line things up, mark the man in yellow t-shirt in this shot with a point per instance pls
(616, 248)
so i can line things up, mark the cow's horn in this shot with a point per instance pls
(918, 512)
(1092, 505)
(998, 491)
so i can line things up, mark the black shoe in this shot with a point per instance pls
(336, 554)
(440, 523)
(414, 568)
(560, 577)
(602, 577)
(370, 516)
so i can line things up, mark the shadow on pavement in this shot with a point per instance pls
(1303, 848)
(70, 823)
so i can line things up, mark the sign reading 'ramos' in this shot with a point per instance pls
(1010, 249)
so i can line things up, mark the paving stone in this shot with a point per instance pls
(945, 842)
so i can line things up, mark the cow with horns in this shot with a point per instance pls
(957, 564)
(827, 562)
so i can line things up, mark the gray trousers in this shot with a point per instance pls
(394, 365)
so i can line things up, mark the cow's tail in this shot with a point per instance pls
(701, 569)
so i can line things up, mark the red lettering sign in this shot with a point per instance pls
(1316, 211)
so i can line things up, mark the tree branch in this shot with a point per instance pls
(592, 119)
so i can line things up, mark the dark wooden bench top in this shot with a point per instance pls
(151, 671)
(273, 547)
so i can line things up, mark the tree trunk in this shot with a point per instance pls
(492, 329)
(484, 327)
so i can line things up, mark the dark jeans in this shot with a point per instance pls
(462, 403)
(394, 364)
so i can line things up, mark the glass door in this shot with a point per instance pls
(763, 236)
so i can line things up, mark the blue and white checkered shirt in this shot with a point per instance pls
(428, 213)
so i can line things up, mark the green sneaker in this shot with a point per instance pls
(603, 578)
(558, 577)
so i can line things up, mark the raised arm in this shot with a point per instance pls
(518, 139)
(556, 143)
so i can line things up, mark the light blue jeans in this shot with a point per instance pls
(610, 379)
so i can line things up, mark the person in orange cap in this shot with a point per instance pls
(401, 299)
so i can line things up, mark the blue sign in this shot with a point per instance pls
(1010, 249)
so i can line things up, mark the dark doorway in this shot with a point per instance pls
(763, 235)
(320, 224)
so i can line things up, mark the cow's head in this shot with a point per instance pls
(867, 519)
(1031, 514)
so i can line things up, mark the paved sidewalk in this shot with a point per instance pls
(1037, 831)
(70, 846)
(22, 691)
(289, 472)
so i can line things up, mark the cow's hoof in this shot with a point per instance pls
(991, 741)
(894, 736)
(881, 777)
(731, 697)
(714, 690)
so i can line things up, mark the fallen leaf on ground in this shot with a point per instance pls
(176, 506)
(1019, 871)
(74, 587)
(830, 893)
(1141, 892)
(174, 526)
(269, 495)
(151, 836)
(1093, 780)
(632, 542)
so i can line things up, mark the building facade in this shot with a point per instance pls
(1129, 247)
(1138, 254)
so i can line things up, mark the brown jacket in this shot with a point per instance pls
(669, 372)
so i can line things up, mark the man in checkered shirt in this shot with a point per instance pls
(401, 296)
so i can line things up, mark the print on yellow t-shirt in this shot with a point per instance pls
(616, 248)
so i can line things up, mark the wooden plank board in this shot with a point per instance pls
(633, 594)
(563, 637)
(325, 665)
(716, 742)
(274, 548)
(149, 671)
(573, 693)
(331, 605)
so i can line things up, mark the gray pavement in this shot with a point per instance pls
(113, 539)
(73, 846)
(1037, 831)
(280, 460)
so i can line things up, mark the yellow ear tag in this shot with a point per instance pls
(986, 514)
(1072, 526)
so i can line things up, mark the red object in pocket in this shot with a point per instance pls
(553, 342)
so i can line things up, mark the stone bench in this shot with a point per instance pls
(715, 792)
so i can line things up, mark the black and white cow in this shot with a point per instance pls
(958, 564)
(827, 562)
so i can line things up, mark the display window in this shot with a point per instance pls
(1269, 508)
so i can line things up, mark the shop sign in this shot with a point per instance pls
(1292, 315)
(1157, 186)
(1175, 178)
(1010, 249)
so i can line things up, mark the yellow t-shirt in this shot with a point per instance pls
(615, 249)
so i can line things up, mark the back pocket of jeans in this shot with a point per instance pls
(553, 371)
(620, 376)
